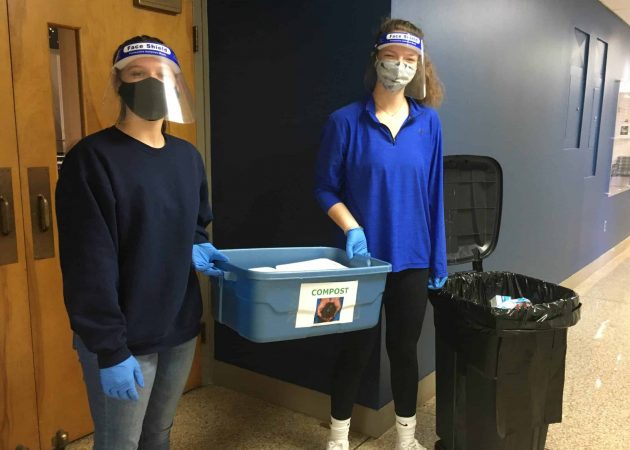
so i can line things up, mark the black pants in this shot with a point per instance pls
(405, 301)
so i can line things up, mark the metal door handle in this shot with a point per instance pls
(41, 212)
(43, 207)
(5, 216)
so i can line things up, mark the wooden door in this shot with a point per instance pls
(18, 424)
(96, 28)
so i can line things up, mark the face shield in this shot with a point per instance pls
(150, 82)
(398, 73)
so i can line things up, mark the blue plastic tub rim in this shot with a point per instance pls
(359, 265)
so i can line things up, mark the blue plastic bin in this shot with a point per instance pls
(278, 306)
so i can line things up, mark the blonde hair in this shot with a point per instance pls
(434, 87)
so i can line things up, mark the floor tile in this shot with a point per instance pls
(596, 412)
(218, 418)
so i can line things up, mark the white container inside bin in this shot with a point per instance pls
(279, 305)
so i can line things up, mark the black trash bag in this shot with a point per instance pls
(500, 372)
(465, 301)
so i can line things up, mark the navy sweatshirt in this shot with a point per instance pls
(128, 216)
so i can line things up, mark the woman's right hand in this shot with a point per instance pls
(120, 380)
(356, 244)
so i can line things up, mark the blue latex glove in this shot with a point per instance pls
(356, 244)
(436, 283)
(120, 380)
(203, 256)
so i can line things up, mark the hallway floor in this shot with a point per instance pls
(596, 393)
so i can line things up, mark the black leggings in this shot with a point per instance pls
(405, 301)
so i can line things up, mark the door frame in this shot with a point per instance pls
(202, 112)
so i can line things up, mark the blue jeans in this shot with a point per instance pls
(144, 424)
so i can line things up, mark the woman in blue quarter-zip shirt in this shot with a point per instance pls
(379, 178)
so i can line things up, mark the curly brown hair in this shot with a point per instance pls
(434, 87)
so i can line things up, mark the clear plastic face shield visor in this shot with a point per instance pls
(409, 41)
(149, 81)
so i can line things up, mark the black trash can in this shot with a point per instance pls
(499, 372)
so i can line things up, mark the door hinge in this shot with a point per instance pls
(195, 38)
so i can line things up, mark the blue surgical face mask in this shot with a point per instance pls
(394, 75)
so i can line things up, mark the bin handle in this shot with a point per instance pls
(229, 276)
(226, 276)
(220, 309)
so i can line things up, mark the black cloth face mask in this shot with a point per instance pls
(145, 98)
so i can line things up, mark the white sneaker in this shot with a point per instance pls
(410, 445)
(338, 445)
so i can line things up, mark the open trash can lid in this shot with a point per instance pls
(473, 195)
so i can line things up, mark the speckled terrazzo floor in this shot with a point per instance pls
(597, 388)
(596, 394)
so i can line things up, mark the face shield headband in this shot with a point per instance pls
(132, 51)
(400, 38)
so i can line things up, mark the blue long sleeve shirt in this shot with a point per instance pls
(392, 186)
(128, 216)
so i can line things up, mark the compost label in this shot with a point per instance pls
(322, 304)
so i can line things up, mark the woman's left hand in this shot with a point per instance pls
(356, 244)
(436, 283)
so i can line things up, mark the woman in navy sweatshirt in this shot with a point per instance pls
(379, 178)
(132, 208)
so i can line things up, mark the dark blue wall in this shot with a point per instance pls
(506, 68)
(277, 69)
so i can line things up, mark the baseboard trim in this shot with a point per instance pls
(312, 403)
(590, 269)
